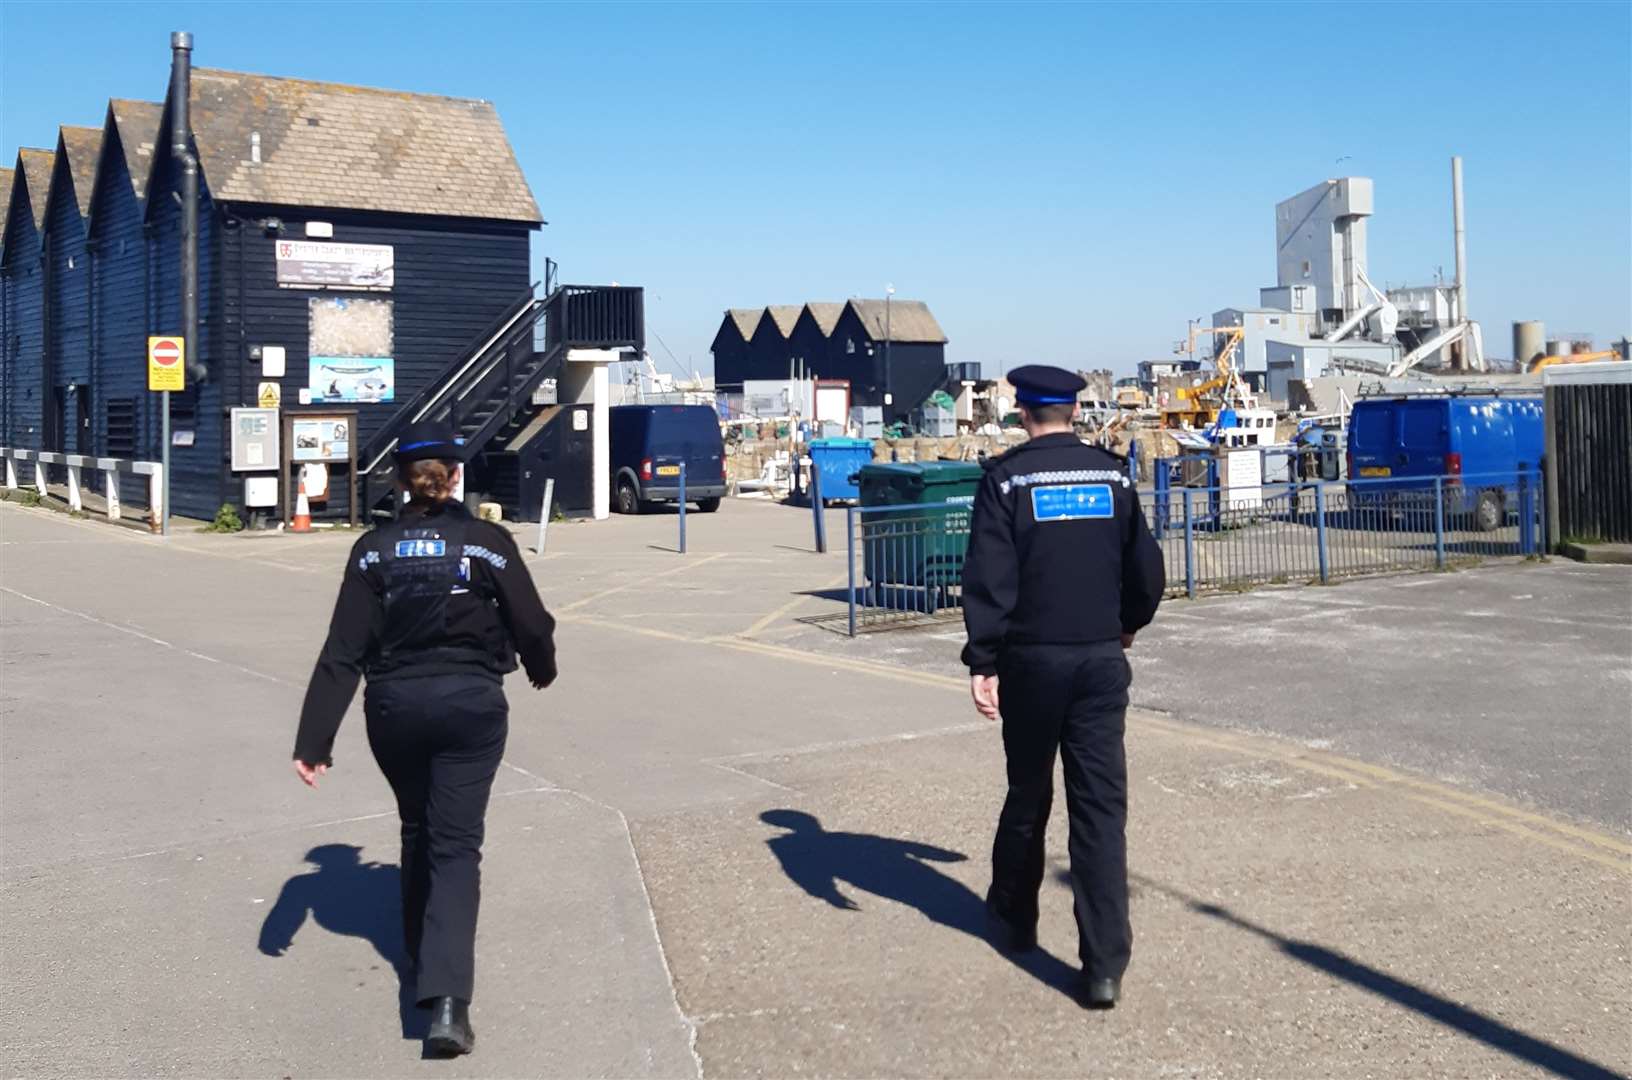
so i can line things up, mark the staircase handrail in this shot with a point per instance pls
(427, 399)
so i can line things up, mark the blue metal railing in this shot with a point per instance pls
(906, 562)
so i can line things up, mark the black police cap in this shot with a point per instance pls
(430, 439)
(1041, 384)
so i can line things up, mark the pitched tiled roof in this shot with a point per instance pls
(746, 319)
(138, 124)
(83, 147)
(5, 201)
(909, 320)
(36, 166)
(350, 147)
(783, 316)
(826, 316)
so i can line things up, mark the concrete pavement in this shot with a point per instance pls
(1300, 909)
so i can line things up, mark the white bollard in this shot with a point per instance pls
(155, 496)
(544, 514)
(75, 503)
(11, 475)
(39, 478)
(110, 492)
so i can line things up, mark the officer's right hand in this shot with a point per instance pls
(983, 688)
(309, 773)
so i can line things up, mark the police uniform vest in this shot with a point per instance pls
(424, 572)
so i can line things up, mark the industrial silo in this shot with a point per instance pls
(1529, 342)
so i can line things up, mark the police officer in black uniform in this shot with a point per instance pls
(433, 609)
(1061, 573)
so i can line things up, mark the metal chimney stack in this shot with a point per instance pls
(181, 131)
(1460, 351)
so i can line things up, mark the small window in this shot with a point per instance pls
(850, 345)
(1307, 268)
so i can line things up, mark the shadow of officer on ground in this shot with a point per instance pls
(817, 861)
(349, 897)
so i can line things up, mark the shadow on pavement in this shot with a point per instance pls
(817, 861)
(1491, 1032)
(347, 896)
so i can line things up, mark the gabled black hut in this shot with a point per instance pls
(24, 288)
(730, 348)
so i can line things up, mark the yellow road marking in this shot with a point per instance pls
(641, 580)
(785, 609)
(1320, 763)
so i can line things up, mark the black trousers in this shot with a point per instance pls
(438, 740)
(1072, 699)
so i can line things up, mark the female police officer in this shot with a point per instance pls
(433, 609)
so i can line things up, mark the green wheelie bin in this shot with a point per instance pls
(918, 540)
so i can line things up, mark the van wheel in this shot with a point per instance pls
(1490, 513)
(628, 499)
(708, 506)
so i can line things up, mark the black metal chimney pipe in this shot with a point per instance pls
(181, 132)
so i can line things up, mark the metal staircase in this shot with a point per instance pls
(489, 389)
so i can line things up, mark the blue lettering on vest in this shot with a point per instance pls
(421, 549)
(1072, 502)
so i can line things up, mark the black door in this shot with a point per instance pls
(562, 452)
(56, 420)
(574, 474)
(84, 440)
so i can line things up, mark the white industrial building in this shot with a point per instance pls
(1324, 314)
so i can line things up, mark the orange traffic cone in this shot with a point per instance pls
(303, 509)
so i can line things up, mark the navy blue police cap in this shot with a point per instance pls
(1041, 384)
(430, 439)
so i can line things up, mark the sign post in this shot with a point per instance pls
(166, 371)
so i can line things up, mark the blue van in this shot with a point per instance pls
(648, 444)
(1479, 445)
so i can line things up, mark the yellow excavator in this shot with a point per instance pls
(1197, 406)
(1541, 363)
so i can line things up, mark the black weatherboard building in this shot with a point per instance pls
(359, 250)
(732, 361)
(895, 348)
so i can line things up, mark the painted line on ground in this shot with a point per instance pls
(787, 609)
(635, 582)
(133, 632)
(1332, 766)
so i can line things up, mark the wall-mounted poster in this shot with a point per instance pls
(307, 264)
(352, 378)
(321, 438)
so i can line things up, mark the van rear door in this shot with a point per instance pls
(689, 433)
(1371, 439)
(1425, 438)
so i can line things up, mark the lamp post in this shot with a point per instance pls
(889, 291)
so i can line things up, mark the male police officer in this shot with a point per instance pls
(1061, 573)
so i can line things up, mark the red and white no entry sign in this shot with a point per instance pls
(165, 369)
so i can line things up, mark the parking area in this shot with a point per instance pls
(1377, 828)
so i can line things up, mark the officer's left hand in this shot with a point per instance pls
(983, 688)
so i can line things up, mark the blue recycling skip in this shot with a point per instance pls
(1072, 502)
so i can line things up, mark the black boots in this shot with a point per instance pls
(1006, 934)
(450, 1034)
(1099, 993)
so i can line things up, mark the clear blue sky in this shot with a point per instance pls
(1061, 184)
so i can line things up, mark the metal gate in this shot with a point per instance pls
(1589, 461)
